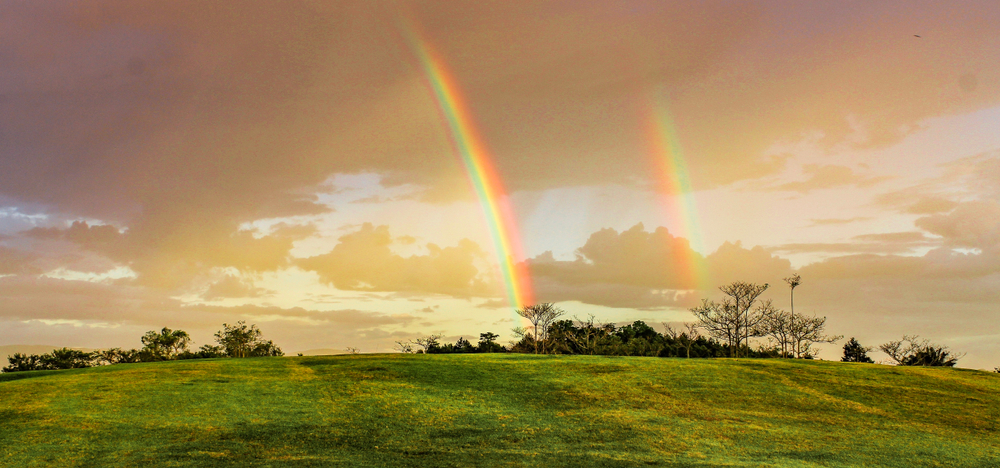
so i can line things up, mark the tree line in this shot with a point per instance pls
(236, 341)
(729, 326)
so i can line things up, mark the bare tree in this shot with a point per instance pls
(403, 346)
(540, 316)
(688, 337)
(778, 328)
(736, 319)
(912, 351)
(351, 350)
(428, 342)
(590, 331)
(805, 331)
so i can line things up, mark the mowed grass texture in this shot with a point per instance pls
(500, 410)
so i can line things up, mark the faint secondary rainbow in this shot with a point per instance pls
(672, 175)
(468, 144)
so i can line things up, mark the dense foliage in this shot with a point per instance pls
(854, 352)
(238, 340)
(588, 338)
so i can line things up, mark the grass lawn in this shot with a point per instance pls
(500, 410)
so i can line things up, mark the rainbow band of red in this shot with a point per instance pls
(468, 144)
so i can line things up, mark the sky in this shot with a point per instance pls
(348, 174)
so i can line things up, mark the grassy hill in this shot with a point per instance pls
(500, 410)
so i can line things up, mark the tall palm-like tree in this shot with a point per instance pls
(793, 281)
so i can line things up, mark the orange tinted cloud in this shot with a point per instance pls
(364, 261)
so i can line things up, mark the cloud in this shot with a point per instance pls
(889, 242)
(633, 257)
(733, 262)
(644, 270)
(233, 287)
(970, 178)
(905, 237)
(837, 221)
(172, 258)
(974, 224)
(364, 261)
(931, 205)
(14, 261)
(116, 314)
(828, 176)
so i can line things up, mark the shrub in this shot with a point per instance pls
(854, 352)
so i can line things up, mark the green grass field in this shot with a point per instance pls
(500, 410)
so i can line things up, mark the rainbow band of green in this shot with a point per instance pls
(469, 146)
(668, 157)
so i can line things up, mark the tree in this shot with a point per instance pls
(428, 343)
(464, 346)
(540, 316)
(241, 341)
(65, 358)
(806, 331)
(793, 281)
(932, 356)
(854, 352)
(588, 334)
(778, 327)
(735, 320)
(912, 351)
(488, 343)
(19, 362)
(166, 344)
(119, 356)
(403, 346)
(689, 337)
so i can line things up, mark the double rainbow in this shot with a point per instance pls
(468, 144)
(667, 156)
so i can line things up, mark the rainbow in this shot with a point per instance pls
(468, 144)
(667, 156)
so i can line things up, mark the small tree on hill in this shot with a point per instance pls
(778, 327)
(488, 343)
(806, 331)
(912, 351)
(403, 346)
(166, 344)
(540, 316)
(242, 340)
(854, 352)
(428, 343)
(738, 317)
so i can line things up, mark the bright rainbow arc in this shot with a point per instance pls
(668, 157)
(469, 145)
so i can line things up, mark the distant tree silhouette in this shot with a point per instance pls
(166, 344)
(854, 352)
(806, 331)
(427, 343)
(540, 316)
(488, 343)
(738, 317)
(778, 328)
(242, 340)
(403, 346)
(912, 351)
